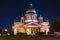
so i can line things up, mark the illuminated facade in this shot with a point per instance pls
(29, 24)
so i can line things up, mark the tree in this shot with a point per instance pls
(0, 31)
(55, 25)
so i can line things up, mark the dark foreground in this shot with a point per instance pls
(51, 37)
(25, 37)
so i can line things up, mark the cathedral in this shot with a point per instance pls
(30, 24)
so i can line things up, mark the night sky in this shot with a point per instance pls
(11, 10)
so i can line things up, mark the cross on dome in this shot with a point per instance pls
(31, 4)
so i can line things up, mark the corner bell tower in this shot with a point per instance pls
(40, 19)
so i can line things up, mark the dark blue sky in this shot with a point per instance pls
(11, 10)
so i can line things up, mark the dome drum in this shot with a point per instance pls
(32, 11)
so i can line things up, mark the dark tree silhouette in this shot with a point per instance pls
(55, 25)
(0, 31)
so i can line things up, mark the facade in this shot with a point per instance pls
(29, 23)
